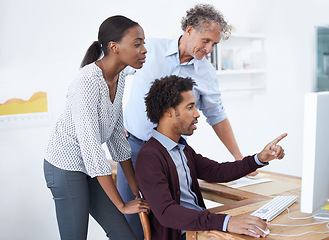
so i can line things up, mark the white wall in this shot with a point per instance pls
(43, 42)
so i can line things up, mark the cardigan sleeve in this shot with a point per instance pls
(212, 171)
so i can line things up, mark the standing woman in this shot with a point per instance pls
(76, 168)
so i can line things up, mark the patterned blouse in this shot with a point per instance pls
(89, 119)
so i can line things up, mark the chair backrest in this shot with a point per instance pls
(146, 225)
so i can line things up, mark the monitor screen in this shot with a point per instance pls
(315, 178)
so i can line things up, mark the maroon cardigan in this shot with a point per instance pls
(158, 181)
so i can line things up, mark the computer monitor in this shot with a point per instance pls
(315, 178)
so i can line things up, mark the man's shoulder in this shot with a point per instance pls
(152, 145)
(205, 66)
(151, 150)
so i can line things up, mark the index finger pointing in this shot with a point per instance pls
(278, 139)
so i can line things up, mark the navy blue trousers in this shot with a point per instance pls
(76, 195)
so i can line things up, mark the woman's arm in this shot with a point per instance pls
(134, 206)
(128, 170)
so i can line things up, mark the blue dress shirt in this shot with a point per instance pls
(188, 198)
(162, 59)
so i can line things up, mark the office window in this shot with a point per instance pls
(322, 73)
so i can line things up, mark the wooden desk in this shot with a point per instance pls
(250, 198)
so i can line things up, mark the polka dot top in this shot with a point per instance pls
(89, 119)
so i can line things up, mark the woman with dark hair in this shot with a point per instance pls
(76, 168)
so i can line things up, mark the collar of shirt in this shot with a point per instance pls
(173, 50)
(167, 142)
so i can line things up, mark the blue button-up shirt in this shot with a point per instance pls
(188, 198)
(162, 59)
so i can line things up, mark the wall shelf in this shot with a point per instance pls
(239, 72)
(242, 89)
(240, 62)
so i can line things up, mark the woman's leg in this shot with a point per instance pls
(106, 213)
(70, 192)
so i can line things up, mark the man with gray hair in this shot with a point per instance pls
(203, 28)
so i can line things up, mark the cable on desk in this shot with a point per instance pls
(300, 225)
(297, 235)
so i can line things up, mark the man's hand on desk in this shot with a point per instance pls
(272, 150)
(242, 223)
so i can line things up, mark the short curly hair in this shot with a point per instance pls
(206, 13)
(165, 93)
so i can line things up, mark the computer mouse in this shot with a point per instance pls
(267, 232)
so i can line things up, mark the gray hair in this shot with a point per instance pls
(206, 13)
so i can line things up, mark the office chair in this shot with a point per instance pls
(146, 225)
(145, 222)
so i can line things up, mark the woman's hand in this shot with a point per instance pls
(135, 206)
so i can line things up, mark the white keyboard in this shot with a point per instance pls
(274, 207)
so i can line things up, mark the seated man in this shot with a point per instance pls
(167, 168)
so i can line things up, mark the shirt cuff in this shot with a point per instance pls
(226, 222)
(213, 120)
(259, 162)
